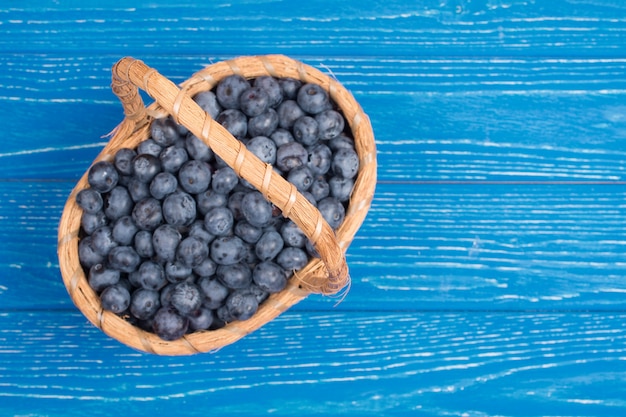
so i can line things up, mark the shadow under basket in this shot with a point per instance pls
(326, 275)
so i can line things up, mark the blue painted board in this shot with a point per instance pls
(422, 247)
(488, 278)
(354, 364)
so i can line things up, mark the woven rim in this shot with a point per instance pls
(327, 275)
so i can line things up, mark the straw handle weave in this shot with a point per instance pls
(130, 74)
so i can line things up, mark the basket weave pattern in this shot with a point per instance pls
(326, 275)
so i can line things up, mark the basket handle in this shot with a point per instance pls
(129, 74)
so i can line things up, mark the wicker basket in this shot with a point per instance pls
(326, 275)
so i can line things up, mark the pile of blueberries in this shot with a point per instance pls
(175, 242)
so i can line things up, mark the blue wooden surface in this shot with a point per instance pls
(488, 278)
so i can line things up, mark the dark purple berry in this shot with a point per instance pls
(168, 325)
(146, 166)
(186, 298)
(144, 303)
(291, 155)
(165, 240)
(147, 214)
(256, 209)
(179, 209)
(264, 148)
(194, 176)
(102, 176)
(306, 130)
(234, 121)
(313, 99)
(164, 131)
(234, 276)
(331, 124)
(123, 160)
(288, 112)
(89, 200)
(345, 163)
(230, 89)
(269, 245)
(115, 298)
(254, 101)
(270, 277)
(208, 102)
(124, 258)
(101, 277)
(271, 86)
(241, 305)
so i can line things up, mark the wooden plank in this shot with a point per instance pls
(316, 364)
(373, 27)
(434, 119)
(423, 246)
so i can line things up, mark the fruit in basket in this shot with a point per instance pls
(175, 241)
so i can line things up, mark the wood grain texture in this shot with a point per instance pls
(362, 364)
(434, 119)
(431, 27)
(422, 247)
(469, 297)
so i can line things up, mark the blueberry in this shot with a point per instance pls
(264, 148)
(331, 124)
(289, 87)
(271, 86)
(247, 232)
(102, 176)
(229, 89)
(151, 276)
(313, 99)
(206, 268)
(124, 230)
(179, 209)
(164, 131)
(102, 240)
(197, 230)
(138, 190)
(241, 305)
(168, 325)
(89, 200)
(123, 160)
(192, 251)
(224, 180)
(172, 158)
(257, 292)
(270, 277)
(292, 234)
(345, 163)
(165, 296)
(176, 272)
(249, 256)
(292, 259)
(288, 112)
(332, 210)
(281, 136)
(341, 188)
(165, 240)
(234, 121)
(269, 245)
(291, 155)
(301, 177)
(144, 303)
(208, 102)
(101, 277)
(213, 291)
(234, 276)
(319, 189)
(210, 199)
(197, 149)
(341, 142)
(219, 221)
(143, 244)
(87, 255)
(117, 203)
(227, 250)
(146, 166)
(306, 130)
(147, 214)
(162, 185)
(124, 258)
(149, 147)
(201, 320)
(254, 101)
(186, 298)
(264, 124)
(90, 222)
(223, 314)
(320, 158)
(115, 298)
(234, 204)
(256, 209)
(194, 176)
